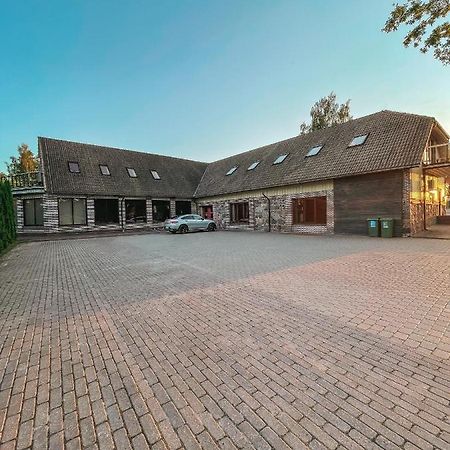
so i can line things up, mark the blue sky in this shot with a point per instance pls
(200, 79)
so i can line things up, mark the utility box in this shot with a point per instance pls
(387, 228)
(373, 227)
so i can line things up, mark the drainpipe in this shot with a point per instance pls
(268, 204)
(122, 221)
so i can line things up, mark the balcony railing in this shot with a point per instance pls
(437, 154)
(25, 180)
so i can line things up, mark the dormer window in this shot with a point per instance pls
(155, 174)
(280, 159)
(358, 140)
(131, 172)
(313, 151)
(232, 170)
(104, 170)
(74, 167)
(253, 165)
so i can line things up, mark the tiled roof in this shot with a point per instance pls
(179, 177)
(395, 140)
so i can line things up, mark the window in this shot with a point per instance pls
(161, 210)
(314, 150)
(33, 210)
(280, 159)
(239, 212)
(358, 140)
(182, 207)
(253, 165)
(131, 172)
(74, 167)
(207, 212)
(309, 211)
(104, 170)
(232, 170)
(106, 211)
(135, 211)
(72, 211)
(155, 174)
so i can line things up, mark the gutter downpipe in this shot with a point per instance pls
(268, 204)
(121, 214)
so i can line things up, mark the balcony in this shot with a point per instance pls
(27, 182)
(437, 155)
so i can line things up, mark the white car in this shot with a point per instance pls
(189, 222)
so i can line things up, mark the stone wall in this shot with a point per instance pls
(281, 213)
(416, 216)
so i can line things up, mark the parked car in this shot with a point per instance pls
(189, 222)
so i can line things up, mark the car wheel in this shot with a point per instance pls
(211, 227)
(183, 229)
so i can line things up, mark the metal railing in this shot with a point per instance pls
(437, 154)
(27, 179)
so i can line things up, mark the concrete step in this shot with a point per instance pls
(443, 220)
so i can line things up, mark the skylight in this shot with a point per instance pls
(131, 172)
(232, 170)
(104, 169)
(74, 167)
(358, 140)
(155, 174)
(280, 159)
(314, 150)
(253, 165)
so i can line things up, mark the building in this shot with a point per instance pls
(386, 164)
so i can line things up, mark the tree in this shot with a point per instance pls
(25, 162)
(325, 113)
(430, 30)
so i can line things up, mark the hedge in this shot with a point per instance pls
(7, 219)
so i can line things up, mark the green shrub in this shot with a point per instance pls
(7, 219)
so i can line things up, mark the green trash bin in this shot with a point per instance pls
(373, 227)
(387, 228)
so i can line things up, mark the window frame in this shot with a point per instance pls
(235, 207)
(134, 171)
(253, 165)
(74, 162)
(153, 172)
(127, 202)
(356, 137)
(314, 151)
(278, 161)
(231, 171)
(119, 218)
(298, 203)
(34, 212)
(107, 168)
(73, 224)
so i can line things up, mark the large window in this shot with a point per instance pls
(309, 211)
(182, 207)
(106, 211)
(135, 211)
(72, 211)
(33, 210)
(207, 212)
(239, 212)
(161, 210)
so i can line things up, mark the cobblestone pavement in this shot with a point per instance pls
(225, 340)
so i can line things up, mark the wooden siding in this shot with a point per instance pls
(375, 195)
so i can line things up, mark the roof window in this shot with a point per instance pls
(253, 165)
(232, 170)
(155, 174)
(74, 167)
(358, 140)
(280, 159)
(313, 151)
(104, 169)
(131, 172)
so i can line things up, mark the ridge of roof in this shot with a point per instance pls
(141, 152)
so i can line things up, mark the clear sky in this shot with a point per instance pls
(200, 79)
